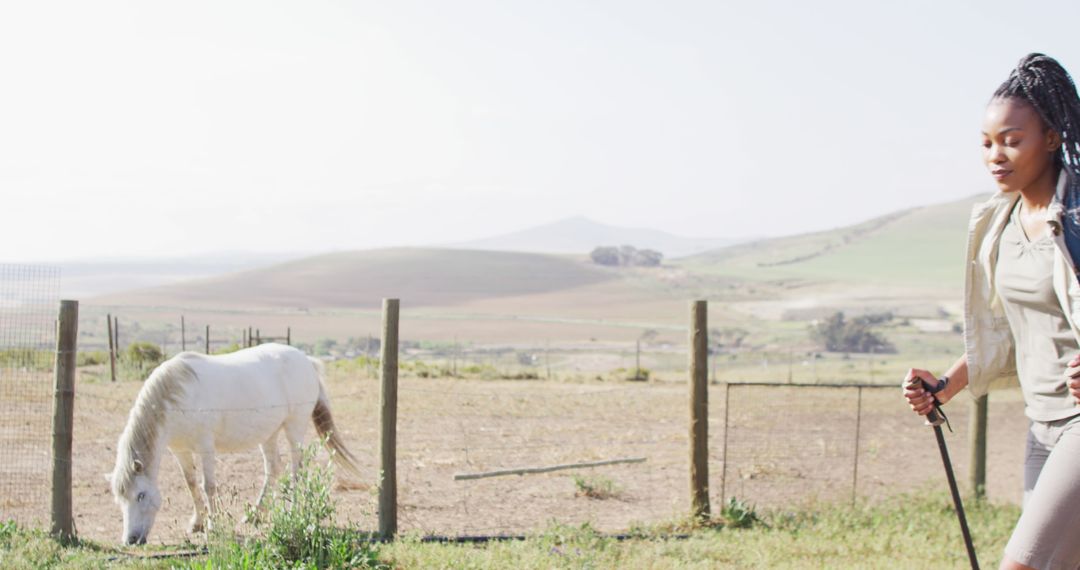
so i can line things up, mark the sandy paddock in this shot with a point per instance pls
(785, 446)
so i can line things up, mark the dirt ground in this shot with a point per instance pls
(783, 446)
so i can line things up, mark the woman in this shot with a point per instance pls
(1022, 301)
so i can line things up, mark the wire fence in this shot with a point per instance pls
(447, 432)
(785, 445)
(772, 445)
(29, 296)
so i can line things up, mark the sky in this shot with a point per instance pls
(164, 129)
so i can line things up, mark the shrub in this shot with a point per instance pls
(626, 374)
(143, 354)
(228, 349)
(27, 358)
(596, 487)
(738, 514)
(298, 531)
(92, 357)
(840, 335)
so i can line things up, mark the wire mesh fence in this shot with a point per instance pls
(476, 429)
(773, 445)
(29, 296)
(788, 445)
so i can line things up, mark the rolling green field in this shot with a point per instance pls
(907, 248)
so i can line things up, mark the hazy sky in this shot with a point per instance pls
(170, 128)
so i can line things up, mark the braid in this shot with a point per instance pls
(1043, 83)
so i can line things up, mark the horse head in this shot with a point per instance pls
(139, 499)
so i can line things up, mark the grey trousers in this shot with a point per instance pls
(1047, 535)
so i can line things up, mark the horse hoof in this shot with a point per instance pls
(196, 527)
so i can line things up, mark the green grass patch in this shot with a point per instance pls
(596, 487)
(916, 531)
(906, 532)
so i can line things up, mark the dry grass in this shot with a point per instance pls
(787, 446)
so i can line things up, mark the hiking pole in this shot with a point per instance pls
(936, 418)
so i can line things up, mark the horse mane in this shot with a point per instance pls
(162, 390)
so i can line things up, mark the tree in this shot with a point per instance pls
(626, 256)
(727, 337)
(647, 258)
(605, 256)
(839, 335)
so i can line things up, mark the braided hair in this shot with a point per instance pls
(1041, 82)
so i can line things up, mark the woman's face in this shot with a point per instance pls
(1017, 147)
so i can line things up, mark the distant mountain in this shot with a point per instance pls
(579, 235)
(360, 279)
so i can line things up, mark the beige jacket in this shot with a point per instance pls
(991, 356)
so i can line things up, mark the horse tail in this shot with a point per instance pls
(324, 425)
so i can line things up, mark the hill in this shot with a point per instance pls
(360, 279)
(911, 254)
(92, 278)
(909, 248)
(580, 235)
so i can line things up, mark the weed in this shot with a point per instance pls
(596, 487)
(737, 513)
(297, 530)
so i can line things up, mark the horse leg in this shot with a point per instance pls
(209, 482)
(187, 465)
(294, 434)
(271, 469)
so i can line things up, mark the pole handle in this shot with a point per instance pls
(933, 418)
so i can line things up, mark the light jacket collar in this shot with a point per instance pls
(1054, 211)
(1056, 208)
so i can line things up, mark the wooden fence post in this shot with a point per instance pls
(112, 349)
(547, 357)
(699, 410)
(723, 451)
(388, 421)
(288, 336)
(183, 335)
(978, 446)
(63, 524)
(637, 360)
(207, 339)
(116, 331)
(858, 434)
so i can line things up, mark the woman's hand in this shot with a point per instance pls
(921, 401)
(1072, 375)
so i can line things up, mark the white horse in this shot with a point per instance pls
(196, 404)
